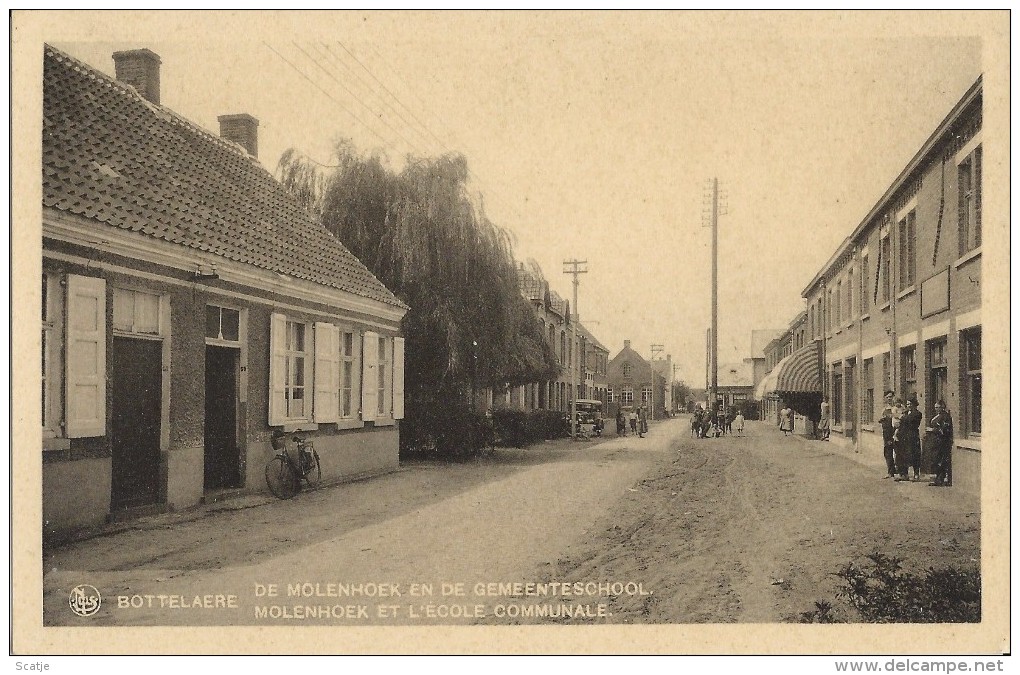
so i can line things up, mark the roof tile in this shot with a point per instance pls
(178, 182)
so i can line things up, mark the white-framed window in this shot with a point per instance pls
(626, 370)
(646, 394)
(135, 312)
(296, 364)
(290, 371)
(348, 373)
(970, 380)
(609, 394)
(222, 324)
(969, 178)
(383, 374)
(627, 395)
(324, 373)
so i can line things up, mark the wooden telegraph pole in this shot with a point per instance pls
(574, 267)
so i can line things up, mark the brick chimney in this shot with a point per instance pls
(242, 129)
(140, 69)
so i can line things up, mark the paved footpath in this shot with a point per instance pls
(499, 530)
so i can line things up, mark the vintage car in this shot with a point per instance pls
(589, 417)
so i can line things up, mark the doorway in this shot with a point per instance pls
(222, 455)
(136, 384)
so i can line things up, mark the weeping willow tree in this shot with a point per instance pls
(421, 234)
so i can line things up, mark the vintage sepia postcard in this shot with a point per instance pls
(526, 332)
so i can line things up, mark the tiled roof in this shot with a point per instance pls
(531, 287)
(111, 156)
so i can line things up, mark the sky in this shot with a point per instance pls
(593, 136)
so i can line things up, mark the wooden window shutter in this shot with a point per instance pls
(327, 372)
(398, 378)
(86, 357)
(277, 369)
(369, 380)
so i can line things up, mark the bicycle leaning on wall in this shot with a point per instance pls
(296, 460)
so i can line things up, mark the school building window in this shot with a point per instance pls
(865, 290)
(909, 371)
(837, 394)
(885, 267)
(839, 304)
(646, 394)
(627, 395)
(868, 373)
(908, 250)
(886, 373)
(937, 373)
(850, 295)
(609, 394)
(969, 174)
(970, 342)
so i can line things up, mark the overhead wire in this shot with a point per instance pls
(382, 99)
(328, 95)
(356, 98)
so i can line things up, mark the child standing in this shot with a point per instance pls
(738, 423)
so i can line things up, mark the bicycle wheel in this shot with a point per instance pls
(281, 479)
(314, 474)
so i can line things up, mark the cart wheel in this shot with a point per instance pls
(281, 479)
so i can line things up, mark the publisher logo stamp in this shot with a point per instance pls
(84, 600)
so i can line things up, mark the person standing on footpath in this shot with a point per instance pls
(888, 445)
(632, 417)
(823, 420)
(786, 420)
(738, 423)
(642, 422)
(942, 430)
(621, 423)
(910, 441)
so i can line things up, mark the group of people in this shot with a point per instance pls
(901, 439)
(638, 420)
(704, 424)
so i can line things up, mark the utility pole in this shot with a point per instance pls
(574, 267)
(713, 348)
(655, 349)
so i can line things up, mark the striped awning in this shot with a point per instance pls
(799, 372)
(767, 384)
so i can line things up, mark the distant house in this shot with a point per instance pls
(633, 383)
(734, 383)
(190, 309)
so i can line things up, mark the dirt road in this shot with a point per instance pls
(752, 530)
(664, 529)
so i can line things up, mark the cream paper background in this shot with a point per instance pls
(31, 28)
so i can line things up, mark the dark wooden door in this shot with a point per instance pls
(222, 459)
(136, 383)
